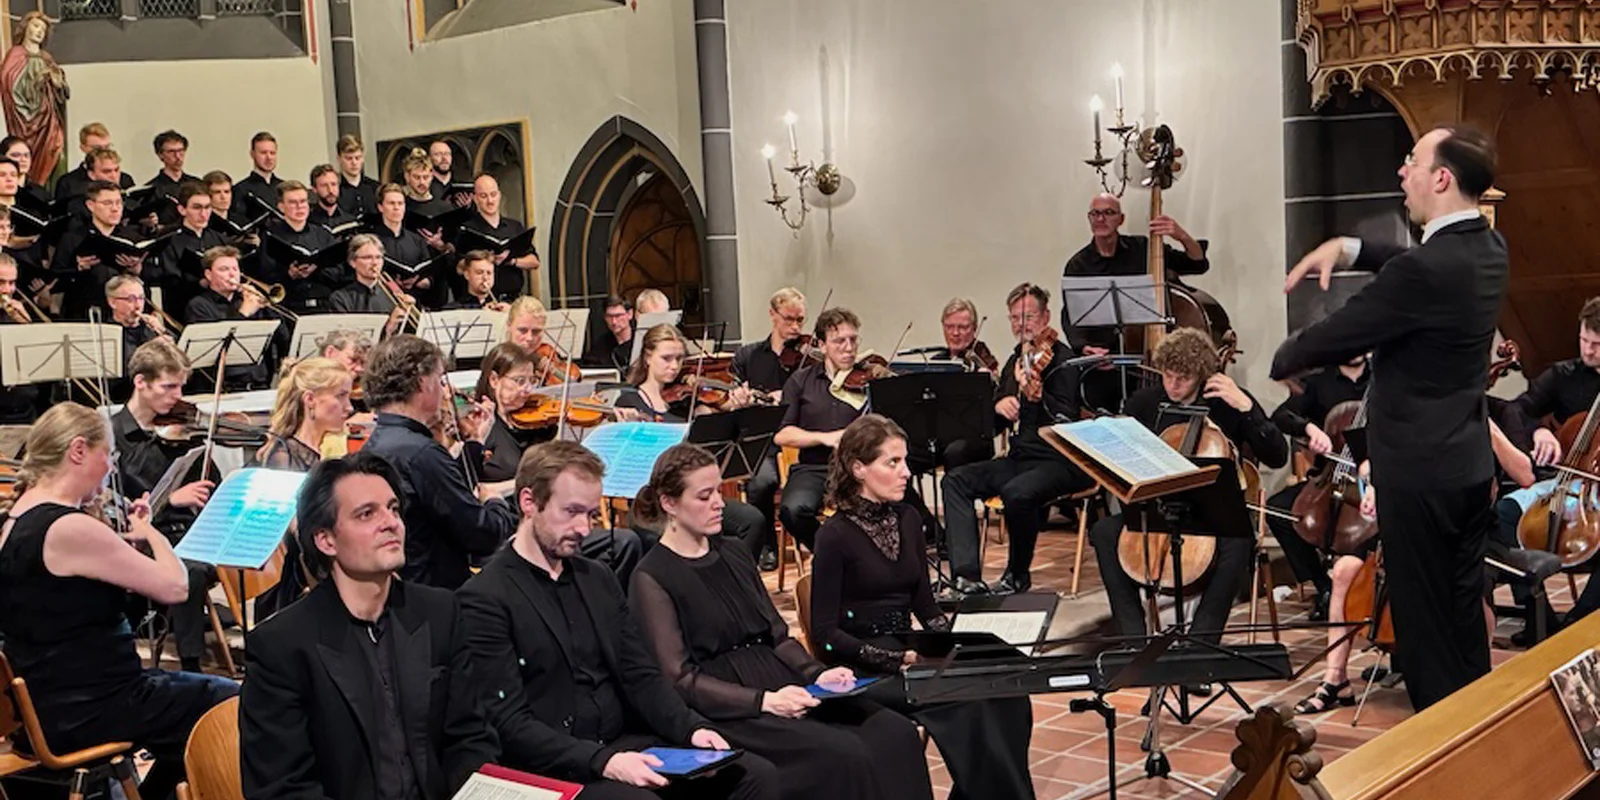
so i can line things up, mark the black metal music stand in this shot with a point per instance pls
(936, 410)
(739, 439)
(1111, 301)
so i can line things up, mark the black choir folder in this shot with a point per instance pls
(109, 248)
(288, 253)
(494, 782)
(1127, 458)
(516, 246)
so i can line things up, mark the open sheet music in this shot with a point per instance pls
(1017, 628)
(494, 782)
(629, 451)
(1127, 447)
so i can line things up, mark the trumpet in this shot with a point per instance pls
(271, 296)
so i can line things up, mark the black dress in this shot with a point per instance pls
(69, 638)
(718, 638)
(866, 586)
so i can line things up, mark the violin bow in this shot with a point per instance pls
(566, 383)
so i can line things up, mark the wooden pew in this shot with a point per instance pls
(1504, 736)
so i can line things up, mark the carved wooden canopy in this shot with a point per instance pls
(1382, 42)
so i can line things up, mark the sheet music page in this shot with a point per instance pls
(171, 479)
(484, 787)
(245, 519)
(629, 450)
(1012, 627)
(1127, 447)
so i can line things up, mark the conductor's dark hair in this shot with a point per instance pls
(669, 478)
(190, 190)
(169, 136)
(317, 509)
(1470, 156)
(395, 367)
(1589, 317)
(831, 318)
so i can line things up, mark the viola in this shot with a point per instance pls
(1036, 355)
(865, 371)
(558, 369)
(799, 352)
(979, 358)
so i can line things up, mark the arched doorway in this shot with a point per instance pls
(628, 219)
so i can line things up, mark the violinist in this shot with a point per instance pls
(1109, 252)
(226, 298)
(765, 366)
(960, 325)
(312, 406)
(664, 392)
(447, 517)
(20, 404)
(477, 272)
(1033, 473)
(349, 348)
(1302, 416)
(368, 294)
(145, 452)
(1187, 360)
(525, 321)
(508, 379)
(125, 296)
(614, 347)
(815, 415)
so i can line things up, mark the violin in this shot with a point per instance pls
(1036, 355)
(183, 423)
(798, 352)
(706, 391)
(558, 369)
(978, 358)
(866, 370)
(542, 411)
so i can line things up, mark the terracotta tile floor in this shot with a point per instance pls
(1068, 750)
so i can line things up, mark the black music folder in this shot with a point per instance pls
(516, 246)
(142, 201)
(447, 222)
(408, 270)
(231, 229)
(345, 230)
(37, 222)
(286, 253)
(109, 248)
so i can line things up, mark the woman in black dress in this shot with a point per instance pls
(718, 638)
(659, 366)
(508, 380)
(64, 582)
(869, 576)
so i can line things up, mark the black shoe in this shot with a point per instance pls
(1374, 673)
(768, 561)
(1319, 608)
(1200, 689)
(967, 587)
(1012, 584)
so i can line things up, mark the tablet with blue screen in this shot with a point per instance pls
(822, 693)
(689, 762)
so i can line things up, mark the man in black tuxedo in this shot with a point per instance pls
(571, 689)
(364, 688)
(1429, 316)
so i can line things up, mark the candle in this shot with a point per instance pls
(789, 119)
(1094, 110)
(767, 152)
(1116, 77)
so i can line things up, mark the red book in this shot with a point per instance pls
(494, 782)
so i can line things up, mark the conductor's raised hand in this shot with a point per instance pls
(1321, 261)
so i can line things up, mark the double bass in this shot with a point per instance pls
(1184, 307)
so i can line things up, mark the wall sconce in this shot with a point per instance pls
(826, 179)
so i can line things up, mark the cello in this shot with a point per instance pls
(1329, 506)
(1566, 520)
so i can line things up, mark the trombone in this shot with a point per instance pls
(413, 313)
(271, 293)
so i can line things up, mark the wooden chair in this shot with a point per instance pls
(1084, 499)
(212, 755)
(802, 599)
(17, 710)
(786, 458)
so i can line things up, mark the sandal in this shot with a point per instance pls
(1326, 697)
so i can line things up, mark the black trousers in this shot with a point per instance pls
(1229, 570)
(984, 743)
(1433, 547)
(750, 778)
(189, 618)
(802, 502)
(618, 548)
(762, 492)
(1026, 486)
(1304, 559)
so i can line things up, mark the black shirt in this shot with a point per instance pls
(258, 187)
(165, 186)
(74, 184)
(84, 288)
(309, 293)
(1057, 403)
(757, 365)
(358, 199)
(1324, 389)
(406, 247)
(1252, 432)
(600, 715)
(179, 284)
(503, 447)
(674, 412)
(208, 306)
(132, 338)
(606, 351)
(357, 298)
(142, 458)
(330, 219)
(1564, 389)
(1130, 258)
(508, 277)
(445, 521)
(396, 779)
(809, 404)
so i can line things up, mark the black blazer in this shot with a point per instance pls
(307, 723)
(1429, 316)
(526, 673)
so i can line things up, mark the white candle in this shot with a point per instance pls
(1116, 77)
(767, 152)
(1094, 110)
(789, 119)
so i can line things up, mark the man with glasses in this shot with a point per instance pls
(448, 519)
(366, 294)
(306, 284)
(84, 273)
(615, 346)
(760, 365)
(172, 148)
(125, 295)
(1112, 253)
(814, 418)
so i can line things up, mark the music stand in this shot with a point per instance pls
(60, 351)
(936, 410)
(1111, 301)
(231, 342)
(462, 332)
(567, 327)
(739, 439)
(312, 329)
(645, 322)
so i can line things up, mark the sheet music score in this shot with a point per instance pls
(1012, 627)
(629, 450)
(245, 519)
(53, 351)
(1126, 446)
(484, 787)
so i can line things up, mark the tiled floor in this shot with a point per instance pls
(1069, 750)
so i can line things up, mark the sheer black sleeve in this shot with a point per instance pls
(663, 634)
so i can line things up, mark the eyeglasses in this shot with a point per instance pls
(129, 298)
(522, 381)
(1103, 213)
(793, 319)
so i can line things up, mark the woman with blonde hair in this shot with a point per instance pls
(64, 583)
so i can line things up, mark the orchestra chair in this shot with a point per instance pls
(1528, 568)
(1085, 499)
(103, 761)
(787, 457)
(802, 599)
(211, 758)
